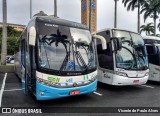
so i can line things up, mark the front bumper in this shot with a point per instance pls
(120, 80)
(54, 93)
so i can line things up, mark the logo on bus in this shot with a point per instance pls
(85, 77)
(106, 75)
(51, 25)
(54, 79)
(70, 80)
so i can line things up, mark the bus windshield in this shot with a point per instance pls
(66, 49)
(133, 54)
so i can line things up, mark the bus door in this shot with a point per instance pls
(23, 66)
(32, 69)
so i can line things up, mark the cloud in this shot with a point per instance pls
(105, 14)
(18, 12)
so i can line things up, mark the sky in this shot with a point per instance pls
(18, 12)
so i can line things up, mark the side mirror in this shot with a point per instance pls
(32, 36)
(103, 40)
(117, 43)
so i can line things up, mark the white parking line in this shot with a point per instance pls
(2, 88)
(13, 90)
(97, 93)
(147, 86)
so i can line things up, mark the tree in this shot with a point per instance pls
(132, 4)
(11, 39)
(11, 42)
(0, 32)
(4, 34)
(157, 35)
(151, 8)
(149, 28)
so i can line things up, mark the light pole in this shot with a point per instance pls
(55, 8)
(30, 9)
(115, 14)
(4, 34)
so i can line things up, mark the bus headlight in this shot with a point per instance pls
(147, 74)
(45, 82)
(93, 79)
(121, 74)
(53, 84)
(40, 80)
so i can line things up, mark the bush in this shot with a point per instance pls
(11, 39)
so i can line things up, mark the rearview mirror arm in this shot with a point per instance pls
(103, 40)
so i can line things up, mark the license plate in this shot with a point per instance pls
(136, 81)
(75, 92)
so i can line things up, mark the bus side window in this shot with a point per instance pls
(105, 57)
(23, 52)
(153, 58)
(149, 49)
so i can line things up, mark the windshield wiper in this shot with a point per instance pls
(78, 56)
(65, 61)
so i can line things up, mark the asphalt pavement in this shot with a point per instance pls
(147, 95)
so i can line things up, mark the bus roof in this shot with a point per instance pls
(151, 40)
(114, 29)
(58, 21)
(151, 37)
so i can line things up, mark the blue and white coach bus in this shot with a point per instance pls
(125, 60)
(56, 58)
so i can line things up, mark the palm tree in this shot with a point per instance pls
(151, 8)
(132, 4)
(4, 34)
(157, 35)
(149, 28)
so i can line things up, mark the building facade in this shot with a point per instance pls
(17, 27)
(85, 13)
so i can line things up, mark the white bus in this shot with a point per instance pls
(56, 58)
(153, 50)
(125, 61)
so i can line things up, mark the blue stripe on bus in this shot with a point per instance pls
(54, 93)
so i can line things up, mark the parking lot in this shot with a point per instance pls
(147, 95)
